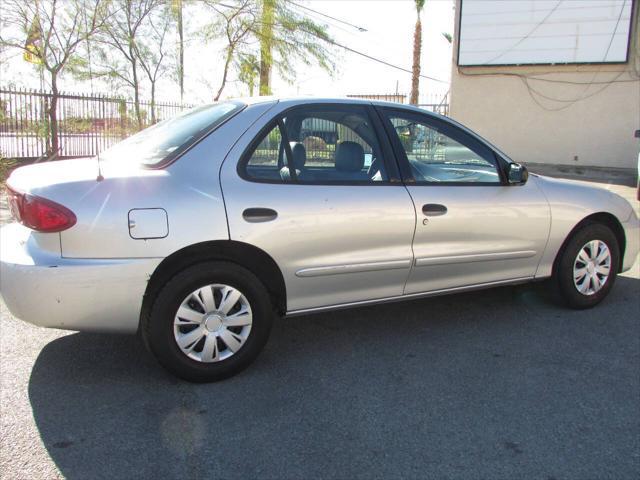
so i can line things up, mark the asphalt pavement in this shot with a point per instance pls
(498, 384)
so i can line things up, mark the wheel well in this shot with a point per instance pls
(602, 218)
(243, 254)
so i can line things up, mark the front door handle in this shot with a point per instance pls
(433, 209)
(257, 215)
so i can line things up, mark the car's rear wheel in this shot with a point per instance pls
(209, 322)
(587, 268)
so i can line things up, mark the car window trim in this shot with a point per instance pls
(287, 150)
(433, 122)
(389, 157)
(378, 129)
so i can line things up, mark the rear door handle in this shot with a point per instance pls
(433, 209)
(257, 215)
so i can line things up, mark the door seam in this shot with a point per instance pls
(224, 201)
(413, 239)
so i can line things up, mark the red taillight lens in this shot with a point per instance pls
(39, 213)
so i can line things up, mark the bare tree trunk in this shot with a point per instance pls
(89, 62)
(136, 92)
(180, 49)
(415, 75)
(266, 41)
(53, 116)
(224, 74)
(153, 103)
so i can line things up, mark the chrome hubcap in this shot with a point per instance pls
(592, 267)
(212, 323)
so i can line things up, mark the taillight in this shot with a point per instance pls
(39, 213)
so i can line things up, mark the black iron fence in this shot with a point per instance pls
(434, 103)
(87, 124)
(90, 123)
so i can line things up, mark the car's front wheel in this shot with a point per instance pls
(587, 267)
(209, 321)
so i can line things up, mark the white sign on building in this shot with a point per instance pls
(531, 32)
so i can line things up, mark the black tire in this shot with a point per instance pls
(563, 275)
(157, 328)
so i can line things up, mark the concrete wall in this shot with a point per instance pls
(508, 107)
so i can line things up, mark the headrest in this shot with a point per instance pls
(349, 157)
(299, 154)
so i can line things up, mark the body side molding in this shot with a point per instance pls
(354, 268)
(479, 257)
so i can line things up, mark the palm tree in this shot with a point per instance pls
(266, 45)
(287, 37)
(417, 47)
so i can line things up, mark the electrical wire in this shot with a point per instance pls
(352, 50)
(349, 31)
(527, 78)
(547, 80)
(535, 10)
(362, 54)
(573, 100)
(567, 82)
(357, 52)
(568, 104)
(589, 84)
(373, 39)
(531, 32)
(361, 29)
(615, 29)
(564, 35)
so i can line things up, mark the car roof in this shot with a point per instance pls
(302, 100)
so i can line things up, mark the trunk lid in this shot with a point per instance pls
(35, 177)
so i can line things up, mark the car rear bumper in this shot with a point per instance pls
(632, 234)
(99, 295)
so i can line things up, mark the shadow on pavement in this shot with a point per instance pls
(494, 384)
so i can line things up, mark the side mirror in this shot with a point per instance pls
(517, 174)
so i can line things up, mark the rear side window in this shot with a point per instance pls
(164, 141)
(267, 158)
(318, 145)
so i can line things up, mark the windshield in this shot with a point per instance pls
(169, 138)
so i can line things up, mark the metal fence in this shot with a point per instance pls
(433, 103)
(87, 124)
(90, 123)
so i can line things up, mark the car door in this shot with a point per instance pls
(315, 186)
(472, 227)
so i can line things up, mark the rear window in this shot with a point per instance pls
(166, 140)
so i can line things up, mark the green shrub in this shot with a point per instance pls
(6, 167)
(76, 125)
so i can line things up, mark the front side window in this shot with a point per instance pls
(435, 155)
(319, 145)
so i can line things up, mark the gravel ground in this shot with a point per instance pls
(499, 384)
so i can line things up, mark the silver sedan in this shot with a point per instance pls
(198, 231)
